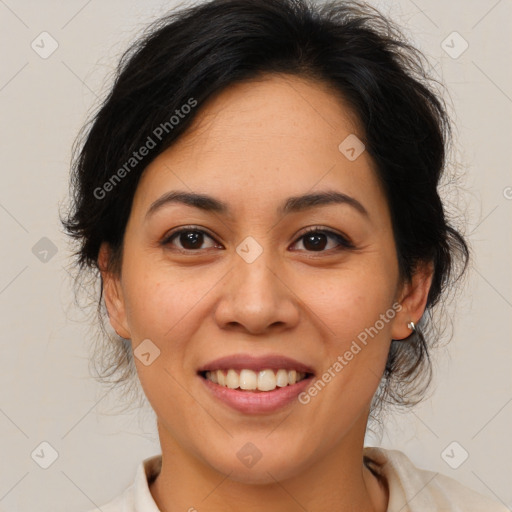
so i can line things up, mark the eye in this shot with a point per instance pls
(189, 237)
(315, 239)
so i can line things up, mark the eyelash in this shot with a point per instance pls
(343, 242)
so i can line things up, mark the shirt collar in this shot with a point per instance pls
(147, 471)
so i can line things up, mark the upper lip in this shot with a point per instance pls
(249, 362)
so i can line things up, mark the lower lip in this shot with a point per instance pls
(258, 402)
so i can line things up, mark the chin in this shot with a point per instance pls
(251, 465)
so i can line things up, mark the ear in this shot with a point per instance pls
(113, 294)
(413, 299)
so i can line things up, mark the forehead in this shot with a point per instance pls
(261, 140)
(287, 109)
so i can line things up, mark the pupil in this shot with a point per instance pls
(192, 238)
(314, 240)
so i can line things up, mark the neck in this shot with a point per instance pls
(338, 481)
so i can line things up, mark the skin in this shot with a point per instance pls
(253, 145)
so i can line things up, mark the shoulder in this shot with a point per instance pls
(412, 489)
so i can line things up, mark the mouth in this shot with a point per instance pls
(246, 379)
(255, 385)
(269, 395)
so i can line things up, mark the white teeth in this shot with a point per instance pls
(282, 378)
(248, 380)
(264, 380)
(232, 379)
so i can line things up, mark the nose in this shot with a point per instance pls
(258, 297)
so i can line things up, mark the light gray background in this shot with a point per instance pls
(46, 393)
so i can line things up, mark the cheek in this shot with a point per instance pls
(356, 349)
(357, 313)
(165, 308)
(168, 307)
(350, 301)
(158, 308)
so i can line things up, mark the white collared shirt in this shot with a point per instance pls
(411, 489)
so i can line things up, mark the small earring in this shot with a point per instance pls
(412, 326)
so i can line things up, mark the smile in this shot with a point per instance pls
(271, 398)
(249, 380)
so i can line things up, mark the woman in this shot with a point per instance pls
(259, 195)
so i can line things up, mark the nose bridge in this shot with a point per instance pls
(253, 270)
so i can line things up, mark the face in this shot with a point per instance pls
(249, 282)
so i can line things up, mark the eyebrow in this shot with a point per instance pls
(291, 205)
